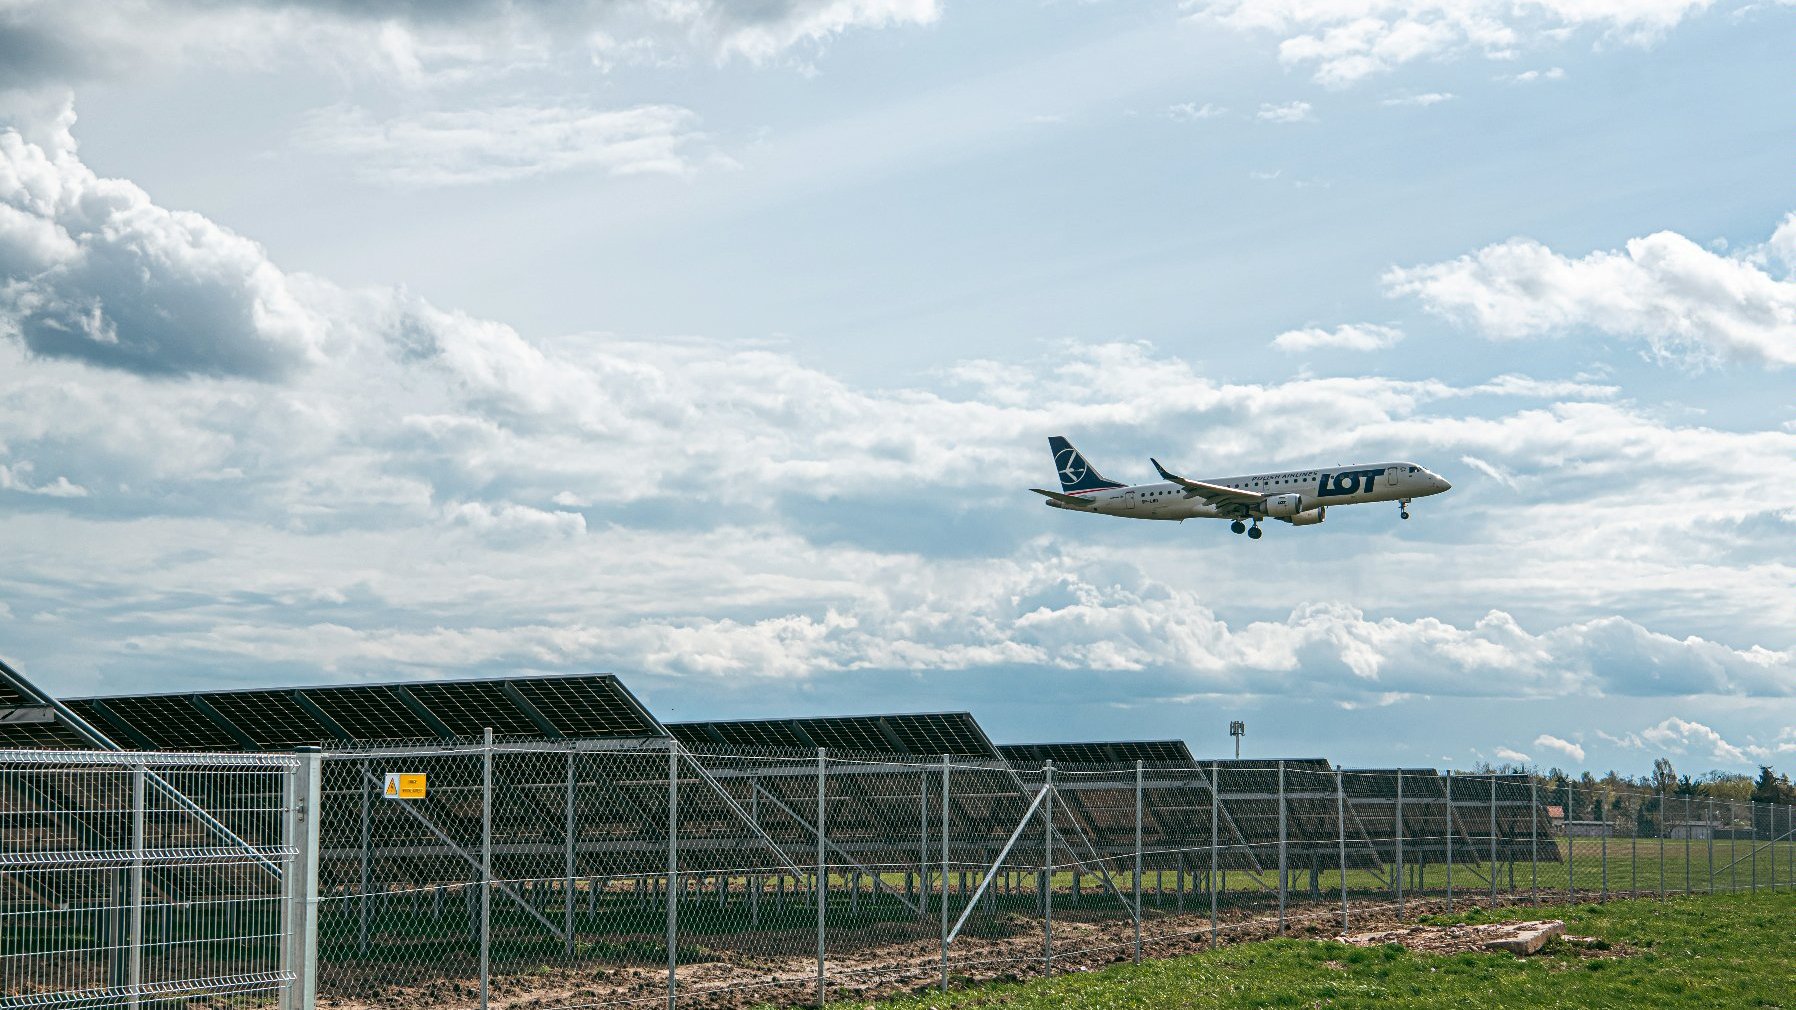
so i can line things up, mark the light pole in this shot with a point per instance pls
(1237, 729)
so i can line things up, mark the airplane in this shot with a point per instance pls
(1300, 497)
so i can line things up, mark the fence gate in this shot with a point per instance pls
(155, 880)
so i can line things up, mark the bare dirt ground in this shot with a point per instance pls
(735, 981)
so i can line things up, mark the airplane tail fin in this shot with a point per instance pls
(1076, 473)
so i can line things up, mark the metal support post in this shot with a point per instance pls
(1664, 812)
(361, 933)
(1284, 865)
(1449, 840)
(1603, 840)
(1571, 847)
(1711, 834)
(822, 867)
(1341, 822)
(673, 873)
(1689, 828)
(1215, 815)
(486, 865)
(944, 873)
(1047, 870)
(1534, 837)
(567, 893)
(1137, 862)
(1398, 818)
(299, 948)
(1493, 839)
(134, 927)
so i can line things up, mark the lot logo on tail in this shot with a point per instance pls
(1071, 465)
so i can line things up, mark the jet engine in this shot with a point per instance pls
(1310, 518)
(1283, 506)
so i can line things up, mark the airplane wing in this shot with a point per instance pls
(1215, 494)
(1071, 501)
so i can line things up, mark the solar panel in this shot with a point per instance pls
(40, 735)
(926, 735)
(579, 706)
(1114, 752)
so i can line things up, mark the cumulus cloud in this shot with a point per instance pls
(1512, 756)
(1682, 736)
(91, 268)
(1289, 112)
(1532, 76)
(1547, 741)
(1346, 337)
(506, 143)
(17, 477)
(1346, 42)
(1665, 290)
(1191, 112)
(1418, 101)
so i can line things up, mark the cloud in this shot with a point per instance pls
(90, 268)
(60, 42)
(508, 143)
(1191, 112)
(1346, 42)
(1680, 299)
(1566, 747)
(1418, 101)
(1490, 471)
(1289, 112)
(1513, 756)
(1346, 337)
(17, 478)
(1532, 76)
(1681, 736)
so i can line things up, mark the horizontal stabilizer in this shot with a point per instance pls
(1070, 501)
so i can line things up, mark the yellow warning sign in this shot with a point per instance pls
(405, 786)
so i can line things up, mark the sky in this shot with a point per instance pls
(717, 344)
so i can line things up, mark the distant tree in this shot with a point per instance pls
(1665, 777)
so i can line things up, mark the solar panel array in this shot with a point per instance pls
(925, 735)
(1117, 752)
(580, 706)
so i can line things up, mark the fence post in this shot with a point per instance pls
(1047, 870)
(1449, 839)
(139, 839)
(1602, 831)
(567, 895)
(1493, 839)
(1137, 862)
(1664, 812)
(944, 873)
(1341, 821)
(1534, 837)
(361, 942)
(1398, 828)
(1752, 817)
(1689, 828)
(1215, 817)
(1284, 866)
(486, 865)
(299, 942)
(1711, 834)
(1571, 848)
(822, 867)
(673, 873)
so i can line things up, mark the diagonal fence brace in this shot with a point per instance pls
(472, 860)
(878, 879)
(1003, 854)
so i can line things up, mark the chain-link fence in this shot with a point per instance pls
(149, 880)
(582, 875)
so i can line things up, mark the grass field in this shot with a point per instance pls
(1728, 950)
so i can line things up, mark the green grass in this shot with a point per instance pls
(1731, 950)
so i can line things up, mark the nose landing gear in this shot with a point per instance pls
(1403, 508)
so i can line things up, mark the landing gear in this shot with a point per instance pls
(1253, 532)
(1237, 527)
(1403, 508)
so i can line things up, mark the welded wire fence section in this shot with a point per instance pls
(563, 875)
(150, 880)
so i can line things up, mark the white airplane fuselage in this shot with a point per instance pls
(1314, 489)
